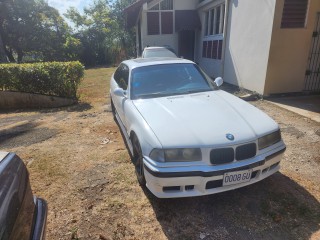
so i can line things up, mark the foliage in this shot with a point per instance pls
(50, 78)
(72, 48)
(33, 31)
(93, 28)
(101, 30)
(123, 40)
(32, 26)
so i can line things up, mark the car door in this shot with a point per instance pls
(121, 77)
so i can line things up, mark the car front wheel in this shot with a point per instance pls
(138, 161)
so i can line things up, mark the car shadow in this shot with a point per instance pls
(23, 134)
(15, 131)
(275, 208)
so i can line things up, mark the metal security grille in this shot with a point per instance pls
(312, 80)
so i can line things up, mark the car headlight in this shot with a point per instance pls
(176, 155)
(269, 139)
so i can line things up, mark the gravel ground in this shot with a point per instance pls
(79, 164)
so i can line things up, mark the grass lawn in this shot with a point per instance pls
(94, 87)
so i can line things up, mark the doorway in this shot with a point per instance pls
(186, 44)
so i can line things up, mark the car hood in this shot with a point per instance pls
(203, 119)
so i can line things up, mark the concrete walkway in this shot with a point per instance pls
(307, 106)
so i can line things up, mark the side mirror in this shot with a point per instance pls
(218, 81)
(120, 92)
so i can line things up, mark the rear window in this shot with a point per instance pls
(159, 53)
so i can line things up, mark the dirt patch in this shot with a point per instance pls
(293, 131)
(80, 165)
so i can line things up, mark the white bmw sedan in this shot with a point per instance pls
(185, 136)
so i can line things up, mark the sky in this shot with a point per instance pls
(63, 5)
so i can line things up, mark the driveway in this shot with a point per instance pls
(307, 106)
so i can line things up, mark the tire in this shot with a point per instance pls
(138, 161)
(113, 109)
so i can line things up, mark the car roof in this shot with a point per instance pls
(142, 62)
(157, 48)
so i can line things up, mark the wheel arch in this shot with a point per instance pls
(146, 139)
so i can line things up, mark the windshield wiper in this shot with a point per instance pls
(156, 94)
(195, 91)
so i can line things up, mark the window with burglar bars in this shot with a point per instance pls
(214, 21)
(213, 32)
(212, 49)
(160, 18)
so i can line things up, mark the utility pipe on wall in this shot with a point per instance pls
(225, 34)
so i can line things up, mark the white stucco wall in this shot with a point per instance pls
(186, 4)
(248, 39)
(156, 40)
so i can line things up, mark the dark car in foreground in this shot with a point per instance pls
(22, 215)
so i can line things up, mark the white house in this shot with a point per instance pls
(267, 46)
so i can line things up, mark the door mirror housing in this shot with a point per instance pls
(218, 81)
(120, 92)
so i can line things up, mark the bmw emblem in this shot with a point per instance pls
(230, 136)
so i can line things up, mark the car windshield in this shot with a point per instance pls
(158, 53)
(168, 80)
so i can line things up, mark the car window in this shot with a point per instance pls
(168, 80)
(158, 53)
(121, 76)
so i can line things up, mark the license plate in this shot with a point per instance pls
(231, 178)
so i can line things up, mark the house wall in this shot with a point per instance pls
(248, 40)
(212, 67)
(156, 40)
(164, 39)
(186, 4)
(289, 53)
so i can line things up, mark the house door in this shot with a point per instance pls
(312, 80)
(186, 44)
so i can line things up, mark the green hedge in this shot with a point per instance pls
(49, 78)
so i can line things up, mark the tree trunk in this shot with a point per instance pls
(10, 56)
(3, 58)
(20, 55)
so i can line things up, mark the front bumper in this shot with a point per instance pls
(183, 182)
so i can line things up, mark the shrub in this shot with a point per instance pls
(49, 78)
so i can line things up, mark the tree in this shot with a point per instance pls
(3, 57)
(32, 27)
(123, 39)
(101, 30)
(92, 28)
(72, 48)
